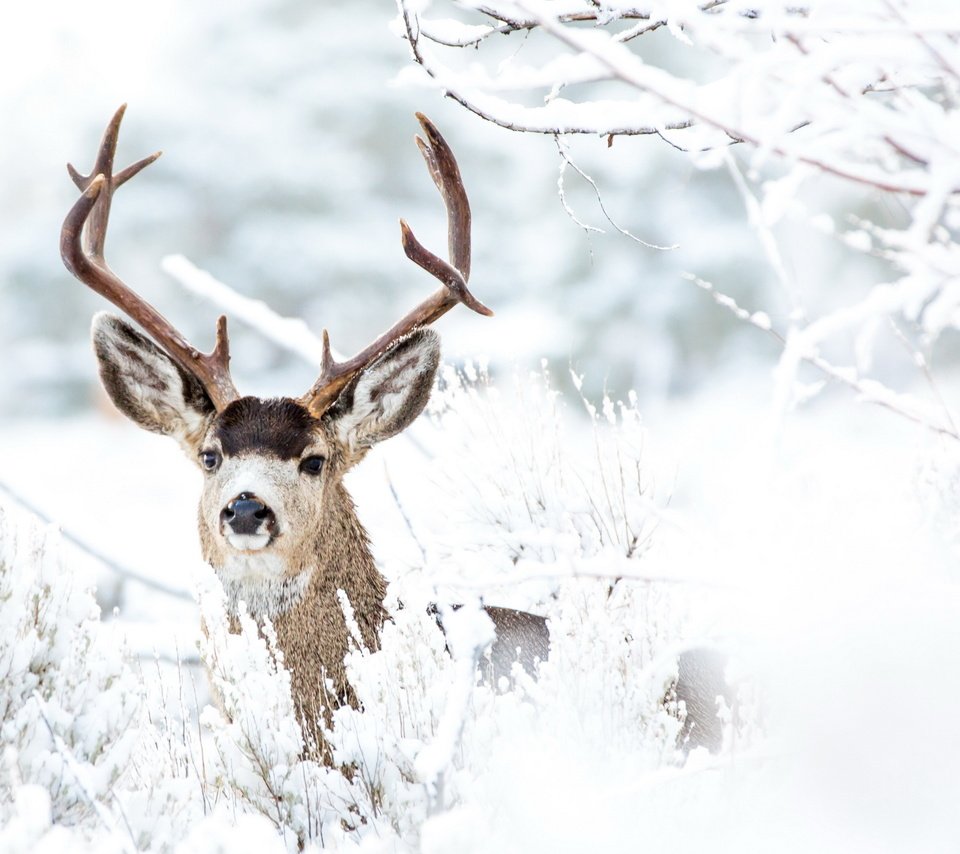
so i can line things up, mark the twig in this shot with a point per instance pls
(566, 161)
(289, 333)
(767, 241)
(597, 13)
(413, 33)
(403, 513)
(624, 67)
(943, 62)
(522, 576)
(845, 377)
(921, 362)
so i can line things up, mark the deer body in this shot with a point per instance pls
(275, 519)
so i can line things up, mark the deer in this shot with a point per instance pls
(275, 520)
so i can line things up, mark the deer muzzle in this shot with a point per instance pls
(247, 523)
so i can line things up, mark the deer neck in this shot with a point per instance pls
(337, 557)
(343, 561)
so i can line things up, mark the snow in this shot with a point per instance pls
(782, 486)
(830, 584)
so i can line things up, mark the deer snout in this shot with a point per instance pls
(246, 514)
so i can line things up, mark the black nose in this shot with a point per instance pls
(246, 514)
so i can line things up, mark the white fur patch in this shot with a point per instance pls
(151, 381)
(384, 391)
(241, 566)
(258, 581)
(246, 542)
(270, 480)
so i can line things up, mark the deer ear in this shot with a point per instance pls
(389, 394)
(147, 386)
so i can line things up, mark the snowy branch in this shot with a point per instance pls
(870, 81)
(866, 94)
(286, 332)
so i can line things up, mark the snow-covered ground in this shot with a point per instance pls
(818, 552)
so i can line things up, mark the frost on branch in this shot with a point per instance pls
(858, 90)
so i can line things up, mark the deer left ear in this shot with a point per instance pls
(389, 394)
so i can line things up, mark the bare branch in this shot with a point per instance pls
(566, 161)
(670, 103)
(869, 391)
(95, 553)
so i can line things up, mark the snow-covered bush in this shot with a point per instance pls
(257, 742)
(70, 702)
(550, 500)
(255, 757)
(538, 513)
(562, 518)
(429, 748)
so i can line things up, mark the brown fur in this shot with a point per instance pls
(280, 427)
(521, 637)
(323, 535)
(313, 634)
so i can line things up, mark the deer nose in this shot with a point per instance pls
(246, 513)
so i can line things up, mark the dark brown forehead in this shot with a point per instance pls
(280, 427)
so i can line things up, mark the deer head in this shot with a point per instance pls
(272, 468)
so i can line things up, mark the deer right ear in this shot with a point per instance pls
(147, 386)
(389, 394)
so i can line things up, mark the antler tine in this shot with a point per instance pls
(81, 247)
(442, 166)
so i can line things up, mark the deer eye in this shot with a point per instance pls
(209, 460)
(311, 465)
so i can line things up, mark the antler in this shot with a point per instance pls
(81, 247)
(335, 376)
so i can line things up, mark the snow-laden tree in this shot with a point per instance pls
(864, 92)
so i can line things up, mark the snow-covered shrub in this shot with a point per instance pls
(544, 515)
(70, 703)
(566, 513)
(530, 496)
(257, 762)
(556, 518)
